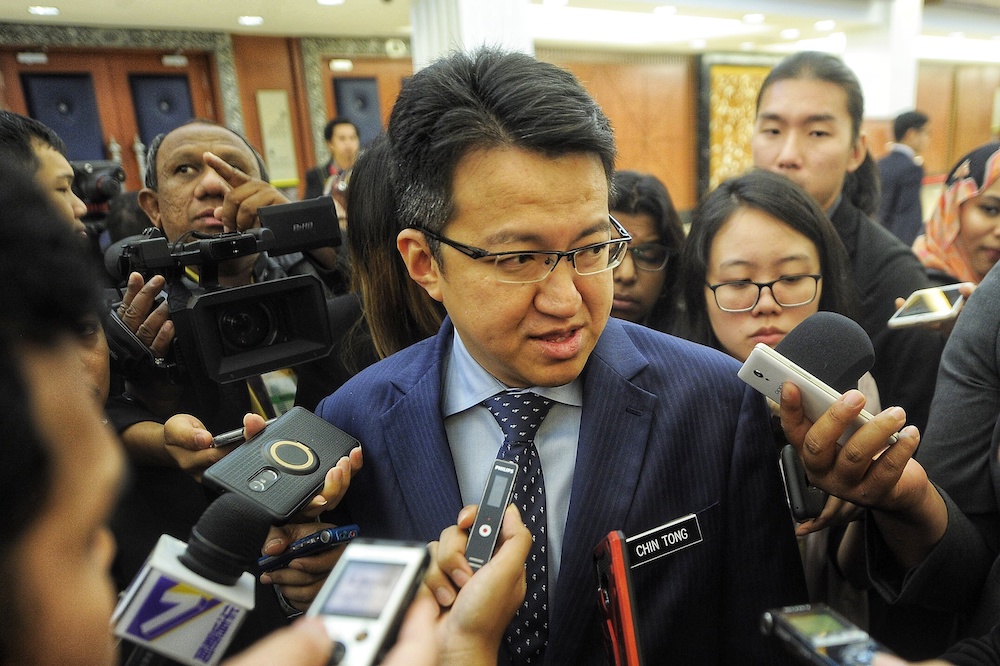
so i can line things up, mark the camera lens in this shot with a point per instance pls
(249, 327)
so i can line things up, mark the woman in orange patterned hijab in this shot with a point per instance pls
(962, 240)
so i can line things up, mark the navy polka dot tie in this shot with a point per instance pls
(519, 415)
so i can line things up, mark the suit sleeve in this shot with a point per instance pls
(758, 522)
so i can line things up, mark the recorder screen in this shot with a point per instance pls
(363, 589)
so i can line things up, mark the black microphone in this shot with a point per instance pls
(189, 600)
(831, 347)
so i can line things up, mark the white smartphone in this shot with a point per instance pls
(928, 306)
(766, 370)
(366, 596)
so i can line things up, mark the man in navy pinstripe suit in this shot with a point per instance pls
(501, 167)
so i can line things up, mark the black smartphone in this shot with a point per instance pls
(309, 545)
(820, 636)
(806, 501)
(284, 466)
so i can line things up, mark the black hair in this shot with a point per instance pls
(398, 310)
(861, 187)
(18, 134)
(484, 100)
(906, 121)
(339, 120)
(126, 217)
(47, 287)
(775, 195)
(151, 179)
(635, 192)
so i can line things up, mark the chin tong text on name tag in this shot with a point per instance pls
(664, 540)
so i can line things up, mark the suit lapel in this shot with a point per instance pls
(614, 433)
(417, 445)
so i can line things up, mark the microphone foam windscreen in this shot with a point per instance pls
(227, 539)
(831, 347)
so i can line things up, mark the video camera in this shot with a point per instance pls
(97, 181)
(231, 333)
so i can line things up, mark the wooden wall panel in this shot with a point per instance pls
(268, 63)
(975, 86)
(652, 109)
(389, 74)
(935, 88)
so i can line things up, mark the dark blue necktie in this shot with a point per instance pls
(519, 414)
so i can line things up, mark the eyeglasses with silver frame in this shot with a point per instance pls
(526, 266)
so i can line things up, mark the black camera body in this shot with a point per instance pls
(97, 181)
(232, 333)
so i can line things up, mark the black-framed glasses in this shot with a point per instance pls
(523, 266)
(789, 292)
(650, 256)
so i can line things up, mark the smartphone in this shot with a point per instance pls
(309, 545)
(766, 370)
(615, 598)
(819, 635)
(486, 528)
(927, 306)
(366, 596)
(283, 467)
(805, 500)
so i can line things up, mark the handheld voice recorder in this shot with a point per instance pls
(363, 601)
(616, 601)
(309, 545)
(821, 636)
(486, 528)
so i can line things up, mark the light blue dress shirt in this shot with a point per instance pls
(475, 439)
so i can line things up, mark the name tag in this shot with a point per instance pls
(664, 540)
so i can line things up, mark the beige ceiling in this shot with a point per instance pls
(391, 18)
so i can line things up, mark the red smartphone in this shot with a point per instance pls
(615, 598)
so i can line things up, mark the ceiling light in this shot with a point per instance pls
(39, 10)
(790, 33)
(341, 65)
(664, 10)
(555, 3)
(330, 2)
(958, 34)
(698, 43)
(754, 18)
(825, 26)
(747, 46)
(250, 20)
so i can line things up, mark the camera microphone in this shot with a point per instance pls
(189, 600)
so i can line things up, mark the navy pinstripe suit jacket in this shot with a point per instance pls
(667, 430)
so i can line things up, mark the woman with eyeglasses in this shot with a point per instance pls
(760, 258)
(645, 281)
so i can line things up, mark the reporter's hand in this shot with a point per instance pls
(304, 643)
(150, 324)
(883, 659)
(238, 211)
(835, 512)
(301, 580)
(189, 444)
(335, 485)
(481, 605)
(867, 470)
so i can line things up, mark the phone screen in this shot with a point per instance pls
(926, 301)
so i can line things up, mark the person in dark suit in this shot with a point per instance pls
(331, 178)
(902, 175)
(498, 150)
